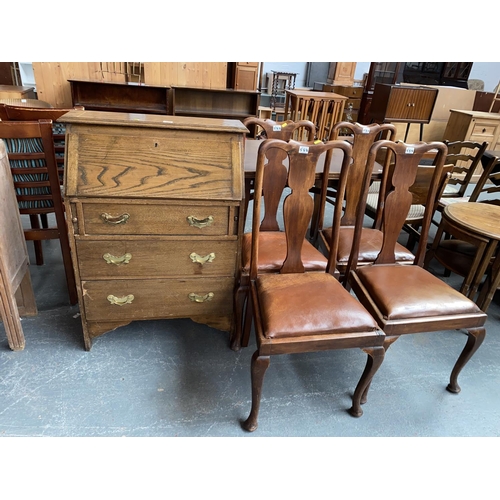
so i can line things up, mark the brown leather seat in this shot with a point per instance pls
(273, 250)
(294, 305)
(369, 246)
(296, 311)
(405, 292)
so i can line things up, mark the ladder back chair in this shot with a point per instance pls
(407, 299)
(465, 157)
(296, 311)
(32, 159)
(22, 114)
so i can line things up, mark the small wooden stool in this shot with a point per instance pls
(16, 292)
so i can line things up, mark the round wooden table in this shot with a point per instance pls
(26, 103)
(481, 220)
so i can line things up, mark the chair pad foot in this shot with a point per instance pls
(454, 390)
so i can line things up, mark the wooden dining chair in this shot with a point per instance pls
(32, 159)
(419, 191)
(10, 112)
(406, 299)
(461, 251)
(22, 114)
(465, 157)
(271, 129)
(272, 237)
(362, 137)
(296, 311)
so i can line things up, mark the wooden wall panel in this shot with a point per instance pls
(186, 74)
(53, 87)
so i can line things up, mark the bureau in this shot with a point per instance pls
(153, 207)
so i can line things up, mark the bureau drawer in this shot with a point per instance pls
(482, 129)
(148, 258)
(159, 298)
(355, 103)
(167, 219)
(482, 138)
(345, 91)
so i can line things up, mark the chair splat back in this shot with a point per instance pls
(363, 136)
(397, 197)
(298, 205)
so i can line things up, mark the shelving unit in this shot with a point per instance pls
(123, 97)
(214, 103)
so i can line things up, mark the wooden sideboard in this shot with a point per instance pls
(154, 208)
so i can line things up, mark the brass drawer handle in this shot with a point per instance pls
(193, 221)
(111, 259)
(201, 298)
(120, 301)
(198, 259)
(119, 219)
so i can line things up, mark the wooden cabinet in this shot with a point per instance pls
(476, 126)
(437, 73)
(394, 103)
(456, 73)
(154, 209)
(17, 92)
(341, 73)
(242, 75)
(483, 101)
